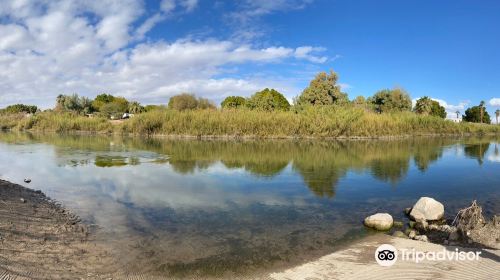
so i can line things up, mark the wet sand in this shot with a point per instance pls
(39, 239)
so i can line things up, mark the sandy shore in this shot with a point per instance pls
(41, 240)
(358, 262)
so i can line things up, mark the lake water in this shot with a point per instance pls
(214, 208)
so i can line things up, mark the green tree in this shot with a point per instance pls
(233, 102)
(20, 108)
(186, 101)
(359, 101)
(268, 100)
(427, 106)
(135, 108)
(204, 103)
(438, 110)
(102, 99)
(323, 90)
(476, 114)
(74, 103)
(391, 100)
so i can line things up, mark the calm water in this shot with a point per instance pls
(185, 207)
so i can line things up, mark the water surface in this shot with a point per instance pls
(214, 208)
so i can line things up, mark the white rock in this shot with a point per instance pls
(379, 221)
(427, 209)
(422, 238)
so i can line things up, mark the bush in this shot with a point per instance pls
(187, 101)
(427, 106)
(268, 100)
(391, 100)
(233, 102)
(19, 108)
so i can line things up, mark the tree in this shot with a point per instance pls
(497, 114)
(475, 113)
(102, 99)
(438, 110)
(481, 107)
(391, 100)
(20, 108)
(323, 90)
(423, 106)
(204, 103)
(233, 102)
(135, 108)
(359, 100)
(184, 101)
(268, 100)
(74, 103)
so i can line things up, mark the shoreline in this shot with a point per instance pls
(255, 137)
(41, 239)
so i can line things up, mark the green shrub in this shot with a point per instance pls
(268, 100)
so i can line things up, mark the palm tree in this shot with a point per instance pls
(497, 114)
(135, 108)
(481, 106)
(458, 114)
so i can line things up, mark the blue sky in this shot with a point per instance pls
(151, 50)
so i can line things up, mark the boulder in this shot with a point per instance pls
(379, 221)
(427, 209)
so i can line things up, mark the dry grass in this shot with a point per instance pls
(327, 121)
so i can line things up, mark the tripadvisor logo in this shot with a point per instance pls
(387, 255)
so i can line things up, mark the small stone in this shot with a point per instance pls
(434, 227)
(379, 221)
(412, 234)
(398, 224)
(23, 200)
(422, 225)
(399, 234)
(454, 236)
(422, 238)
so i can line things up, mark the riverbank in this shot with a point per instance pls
(42, 240)
(329, 122)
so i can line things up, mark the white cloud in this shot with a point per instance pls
(167, 6)
(53, 47)
(189, 5)
(495, 102)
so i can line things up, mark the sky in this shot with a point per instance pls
(150, 50)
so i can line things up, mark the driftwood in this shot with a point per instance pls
(469, 218)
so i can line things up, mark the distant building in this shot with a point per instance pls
(457, 120)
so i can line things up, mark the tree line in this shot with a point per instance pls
(323, 90)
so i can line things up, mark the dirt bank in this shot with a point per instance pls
(40, 239)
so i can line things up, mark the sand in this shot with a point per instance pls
(358, 262)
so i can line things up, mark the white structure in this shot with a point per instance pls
(457, 120)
